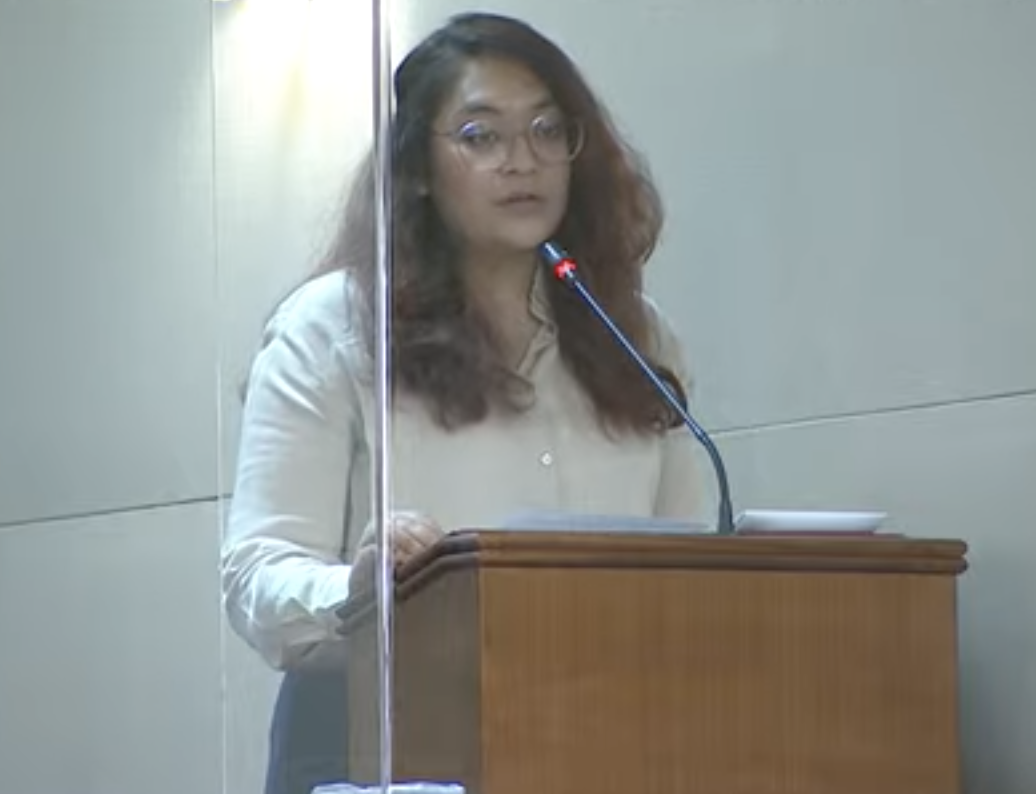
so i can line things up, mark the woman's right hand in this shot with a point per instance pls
(411, 533)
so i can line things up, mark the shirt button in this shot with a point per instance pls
(546, 459)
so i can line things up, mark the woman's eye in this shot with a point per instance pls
(550, 129)
(477, 136)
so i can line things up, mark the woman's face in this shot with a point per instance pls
(500, 159)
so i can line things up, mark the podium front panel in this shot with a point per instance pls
(610, 661)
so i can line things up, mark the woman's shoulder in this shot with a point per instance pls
(326, 307)
(662, 334)
(664, 342)
(315, 331)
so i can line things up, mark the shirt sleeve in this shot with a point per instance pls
(680, 489)
(282, 572)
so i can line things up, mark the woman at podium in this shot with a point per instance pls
(508, 393)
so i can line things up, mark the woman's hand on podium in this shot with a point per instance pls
(410, 534)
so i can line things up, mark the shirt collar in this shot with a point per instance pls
(539, 300)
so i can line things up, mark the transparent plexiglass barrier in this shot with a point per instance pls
(301, 199)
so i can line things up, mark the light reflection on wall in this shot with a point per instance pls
(294, 80)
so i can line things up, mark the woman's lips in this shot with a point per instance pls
(521, 201)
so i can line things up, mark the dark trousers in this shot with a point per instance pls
(308, 733)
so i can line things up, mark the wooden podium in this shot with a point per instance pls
(545, 663)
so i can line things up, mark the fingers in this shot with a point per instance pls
(412, 533)
(416, 530)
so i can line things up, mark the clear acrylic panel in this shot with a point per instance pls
(300, 275)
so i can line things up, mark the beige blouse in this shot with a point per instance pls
(302, 495)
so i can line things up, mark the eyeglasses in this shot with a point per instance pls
(486, 145)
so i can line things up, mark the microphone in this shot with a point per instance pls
(564, 268)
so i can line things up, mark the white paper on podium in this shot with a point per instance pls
(547, 521)
(394, 788)
(820, 521)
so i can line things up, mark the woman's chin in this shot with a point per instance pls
(526, 237)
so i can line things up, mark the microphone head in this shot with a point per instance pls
(562, 265)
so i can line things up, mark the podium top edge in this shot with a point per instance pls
(487, 550)
(803, 553)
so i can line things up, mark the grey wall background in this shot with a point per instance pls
(850, 259)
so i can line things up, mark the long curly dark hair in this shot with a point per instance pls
(441, 350)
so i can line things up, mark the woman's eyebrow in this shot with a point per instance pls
(482, 106)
